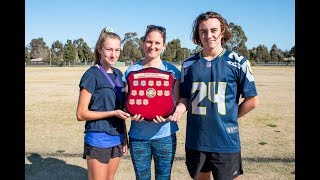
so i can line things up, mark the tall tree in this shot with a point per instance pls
(276, 54)
(83, 50)
(39, 49)
(87, 53)
(57, 52)
(27, 56)
(170, 52)
(262, 54)
(182, 54)
(78, 43)
(280, 55)
(286, 54)
(238, 40)
(131, 48)
(70, 52)
(252, 53)
(242, 49)
(292, 51)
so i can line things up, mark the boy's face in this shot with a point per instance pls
(210, 33)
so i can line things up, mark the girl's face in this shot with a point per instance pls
(210, 33)
(110, 51)
(153, 45)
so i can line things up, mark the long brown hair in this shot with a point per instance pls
(205, 16)
(104, 35)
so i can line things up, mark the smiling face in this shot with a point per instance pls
(110, 51)
(210, 34)
(153, 45)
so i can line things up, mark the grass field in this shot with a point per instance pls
(54, 138)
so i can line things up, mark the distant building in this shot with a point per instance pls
(290, 59)
(37, 61)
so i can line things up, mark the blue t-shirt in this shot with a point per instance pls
(213, 89)
(149, 130)
(104, 98)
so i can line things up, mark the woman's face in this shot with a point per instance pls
(153, 45)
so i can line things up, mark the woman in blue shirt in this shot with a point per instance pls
(153, 139)
(100, 103)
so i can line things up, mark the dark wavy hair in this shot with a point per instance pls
(205, 16)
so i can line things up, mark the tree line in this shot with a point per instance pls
(132, 50)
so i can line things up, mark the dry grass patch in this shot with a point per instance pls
(54, 138)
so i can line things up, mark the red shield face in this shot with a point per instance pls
(150, 93)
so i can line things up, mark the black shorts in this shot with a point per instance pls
(223, 165)
(103, 155)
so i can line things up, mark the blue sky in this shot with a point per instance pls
(265, 22)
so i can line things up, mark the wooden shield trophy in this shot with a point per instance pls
(150, 93)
